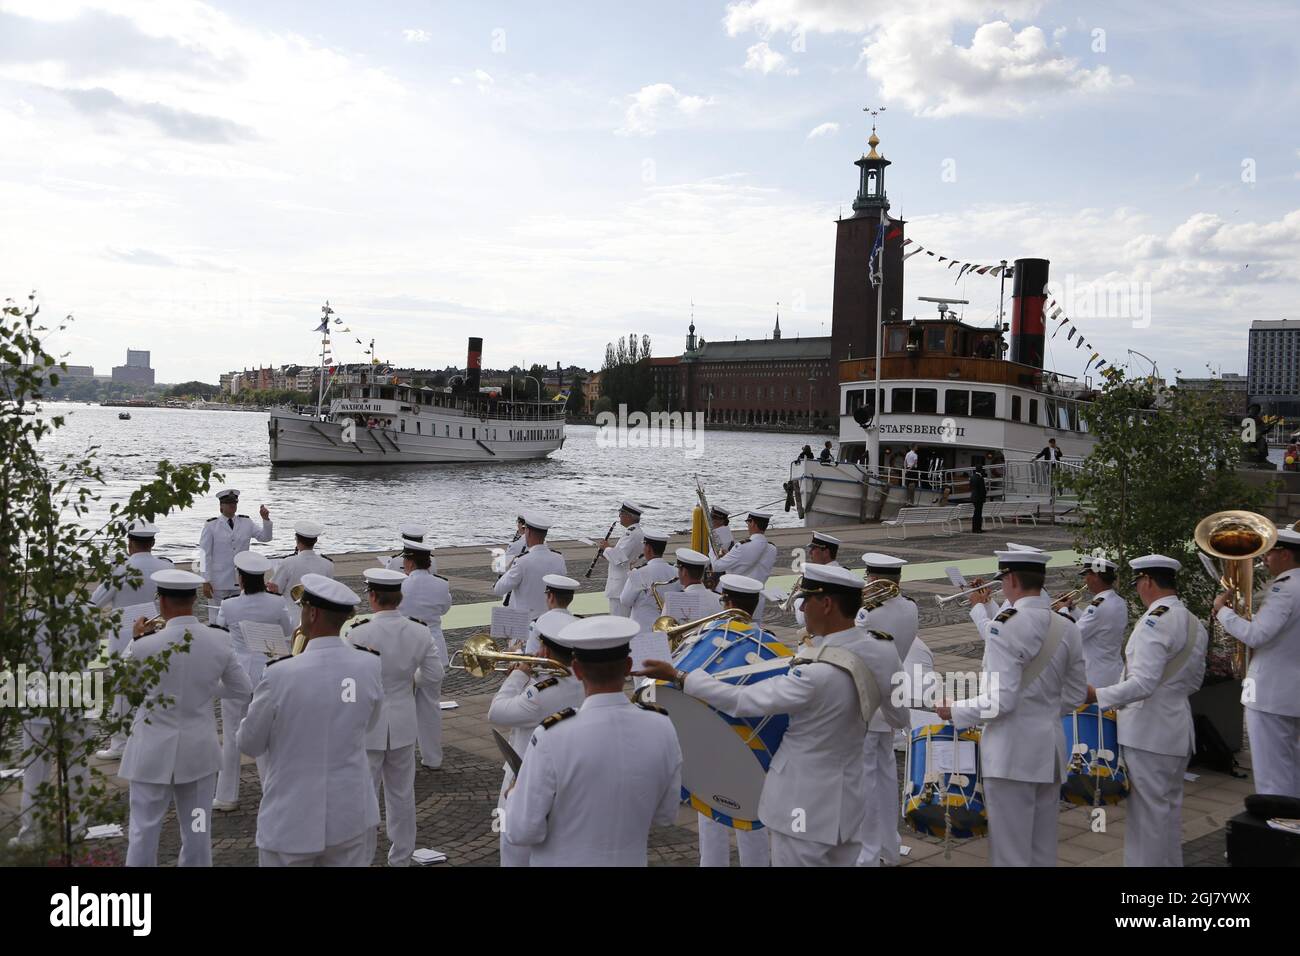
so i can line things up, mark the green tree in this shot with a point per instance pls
(625, 377)
(56, 542)
(1164, 459)
(577, 382)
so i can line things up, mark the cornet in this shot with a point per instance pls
(946, 599)
(880, 591)
(479, 658)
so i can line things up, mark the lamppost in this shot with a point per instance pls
(811, 382)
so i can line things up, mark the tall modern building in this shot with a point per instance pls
(136, 371)
(1273, 366)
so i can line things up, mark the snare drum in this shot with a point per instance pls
(943, 777)
(724, 758)
(1093, 736)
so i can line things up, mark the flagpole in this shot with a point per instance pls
(320, 386)
(873, 436)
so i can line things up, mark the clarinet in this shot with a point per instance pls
(601, 549)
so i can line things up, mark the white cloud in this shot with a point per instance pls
(763, 59)
(654, 105)
(417, 36)
(825, 129)
(911, 52)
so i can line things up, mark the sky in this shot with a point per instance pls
(198, 179)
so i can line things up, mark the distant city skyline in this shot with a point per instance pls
(199, 178)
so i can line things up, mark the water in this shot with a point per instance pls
(580, 486)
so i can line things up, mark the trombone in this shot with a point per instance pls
(1237, 538)
(945, 599)
(479, 657)
(676, 633)
(1060, 602)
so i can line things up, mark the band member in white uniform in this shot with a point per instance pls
(823, 549)
(173, 753)
(223, 537)
(691, 567)
(258, 605)
(311, 716)
(1103, 623)
(720, 519)
(1270, 691)
(620, 554)
(595, 779)
(1033, 659)
(637, 596)
(754, 558)
(986, 610)
(525, 700)
(516, 547)
(408, 658)
(753, 846)
(1164, 665)
(815, 789)
(410, 532)
(426, 597)
(559, 595)
(140, 537)
(305, 560)
(522, 584)
(899, 618)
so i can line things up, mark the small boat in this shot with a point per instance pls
(124, 416)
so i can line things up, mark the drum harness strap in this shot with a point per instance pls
(1055, 633)
(846, 660)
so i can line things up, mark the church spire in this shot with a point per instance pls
(690, 338)
(776, 333)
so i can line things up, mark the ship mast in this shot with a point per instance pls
(324, 345)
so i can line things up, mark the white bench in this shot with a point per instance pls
(943, 516)
(998, 511)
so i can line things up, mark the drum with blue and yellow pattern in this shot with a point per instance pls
(1096, 774)
(942, 779)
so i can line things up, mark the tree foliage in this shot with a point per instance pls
(1164, 459)
(625, 377)
(56, 543)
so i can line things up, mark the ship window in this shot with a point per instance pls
(461, 430)
(897, 340)
(1033, 411)
(403, 421)
(983, 404)
(936, 340)
(927, 401)
(417, 428)
(1064, 416)
(1049, 407)
(1015, 408)
(956, 401)
(901, 399)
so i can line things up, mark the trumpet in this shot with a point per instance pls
(152, 626)
(479, 657)
(1237, 538)
(945, 599)
(676, 633)
(1069, 597)
(880, 591)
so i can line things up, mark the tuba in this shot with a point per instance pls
(1237, 538)
(676, 633)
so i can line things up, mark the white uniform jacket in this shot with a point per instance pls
(1103, 626)
(221, 540)
(408, 658)
(521, 705)
(898, 617)
(625, 549)
(638, 599)
(523, 581)
(1274, 635)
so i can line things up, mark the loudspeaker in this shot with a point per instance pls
(1252, 842)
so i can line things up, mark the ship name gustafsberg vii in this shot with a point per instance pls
(380, 417)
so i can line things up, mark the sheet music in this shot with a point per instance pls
(941, 753)
(134, 612)
(682, 606)
(650, 645)
(266, 639)
(510, 624)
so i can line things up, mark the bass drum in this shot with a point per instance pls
(724, 758)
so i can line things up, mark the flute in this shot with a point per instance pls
(601, 549)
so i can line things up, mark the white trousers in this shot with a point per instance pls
(1274, 752)
(428, 723)
(149, 802)
(232, 712)
(879, 831)
(118, 643)
(37, 772)
(395, 767)
(1153, 821)
(1023, 820)
(359, 851)
(618, 608)
(787, 851)
(715, 844)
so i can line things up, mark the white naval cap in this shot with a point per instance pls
(308, 529)
(225, 493)
(537, 521)
(415, 531)
(1288, 536)
(739, 584)
(760, 515)
(250, 562)
(1022, 560)
(653, 534)
(692, 557)
(1012, 546)
(632, 506)
(1150, 562)
(825, 538)
(558, 582)
(600, 638)
(410, 545)
(172, 579)
(382, 579)
(818, 578)
(550, 624)
(883, 563)
(141, 529)
(720, 511)
(1098, 563)
(327, 593)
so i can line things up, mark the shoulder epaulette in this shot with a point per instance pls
(553, 551)
(213, 518)
(439, 577)
(328, 558)
(362, 647)
(880, 635)
(416, 620)
(872, 605)
(357, 627)
(243, 516)
(219, 627)
(276, 660)
(558, 716)
(1281, 579)
(1096, 602)
(1006, 615)
(549, 682)
(1162, 609)
(653, 707)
